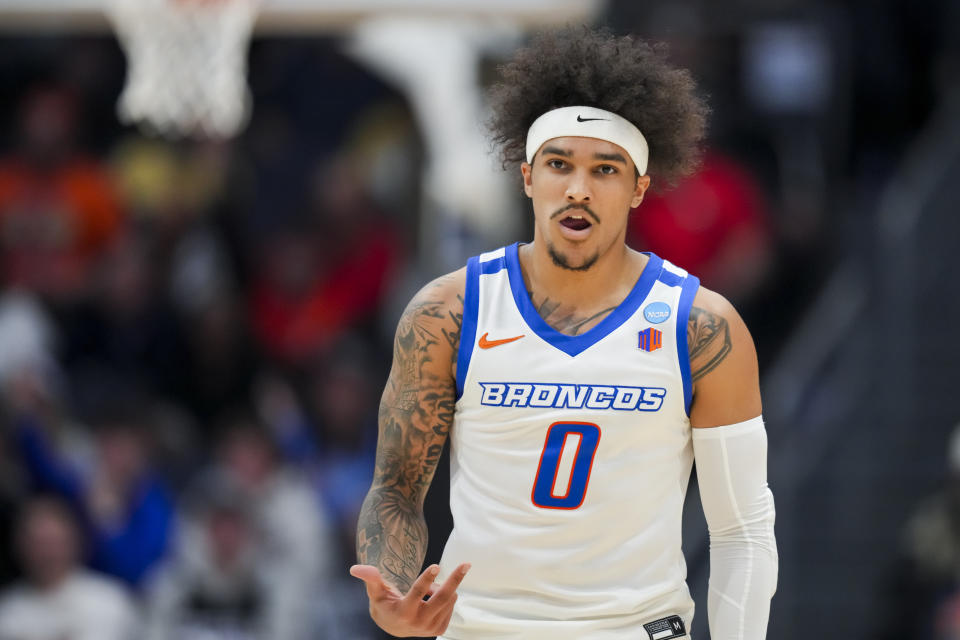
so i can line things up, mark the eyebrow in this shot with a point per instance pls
(607, 157)
(557, 151)
(610, 157)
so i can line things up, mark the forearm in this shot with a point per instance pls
(392, 535)
(743, 577)
(731, 468)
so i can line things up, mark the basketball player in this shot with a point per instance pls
(577, 380)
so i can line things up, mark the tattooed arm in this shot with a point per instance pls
(723, 363)
(416, 413)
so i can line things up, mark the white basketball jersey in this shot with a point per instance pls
(570, 457)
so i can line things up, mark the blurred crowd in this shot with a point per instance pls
(191, 344)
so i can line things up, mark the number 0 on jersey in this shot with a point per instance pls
(565, 464)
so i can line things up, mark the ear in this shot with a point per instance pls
(527, 172)
(643, 183)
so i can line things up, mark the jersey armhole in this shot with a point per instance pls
(468, 328)
(688, 290)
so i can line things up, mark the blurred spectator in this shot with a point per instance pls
(125, 329)
(283, 413)
(58, 209)
(924, 596)
(27, 370)
(293, 547)
(714, 223)
(285, 291)
(215, 586)
(57, 599)
(126, 509)
(169, 187)
(341, 394)
(192, 321)
(29, 380)
(221, 359)
(329, 430)
(321, 277)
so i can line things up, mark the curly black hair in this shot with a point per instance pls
(577, 66)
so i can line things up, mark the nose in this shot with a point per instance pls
(577, 189)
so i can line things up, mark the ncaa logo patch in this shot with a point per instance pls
(650, 339)
(656, 312)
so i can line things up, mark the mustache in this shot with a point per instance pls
(580, 207)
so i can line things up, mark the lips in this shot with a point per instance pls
(575, 222)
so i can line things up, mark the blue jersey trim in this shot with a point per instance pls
(688, 290)
(574, 345)
(492, 266)
(468, 330)
(670, 279)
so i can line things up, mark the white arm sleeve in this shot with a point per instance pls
(732, 474)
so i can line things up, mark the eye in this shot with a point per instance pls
(607, 169)
(555, 163)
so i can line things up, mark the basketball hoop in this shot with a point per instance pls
(186, 64)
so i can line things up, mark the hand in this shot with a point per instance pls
(411, 615)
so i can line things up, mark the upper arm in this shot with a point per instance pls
(416, 409)
(723, 363)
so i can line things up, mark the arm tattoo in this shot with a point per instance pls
(708, 338)
(566, 320)
(453, 335)
(416, 413)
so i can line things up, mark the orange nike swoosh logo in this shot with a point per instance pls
(483, 343)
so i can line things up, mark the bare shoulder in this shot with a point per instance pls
(723, 363)
(431, 322)
(710, 329)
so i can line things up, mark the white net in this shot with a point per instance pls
(187, 64)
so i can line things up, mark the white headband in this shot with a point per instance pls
(589, 122)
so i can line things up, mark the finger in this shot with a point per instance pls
(448, 589)
(444, 620)
(371, 577)
(421, 586)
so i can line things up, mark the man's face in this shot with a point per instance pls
(582, 191)
(47, 546)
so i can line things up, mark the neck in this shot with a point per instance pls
(610, 277)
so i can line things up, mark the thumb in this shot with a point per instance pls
(370, 576)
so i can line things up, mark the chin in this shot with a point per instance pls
(563, 260)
